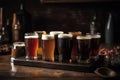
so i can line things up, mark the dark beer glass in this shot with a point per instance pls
(74, 53)
(48, 46)
(64, 47)
(18, 50)
(95, 44)
(83, 46)
(31, 45)
(55, 33)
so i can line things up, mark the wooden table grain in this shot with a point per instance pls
(9, 71)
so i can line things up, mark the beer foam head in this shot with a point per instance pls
(31, 35)
(65, 36)
(96, 36)
(47, 36)
(15, 44)
(56, 32)
(83, 37)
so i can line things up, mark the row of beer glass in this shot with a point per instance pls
(62, 47)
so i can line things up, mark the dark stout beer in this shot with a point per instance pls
(84, 44)
(64, 47)
(95, 43)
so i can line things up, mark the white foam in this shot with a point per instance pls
(96, 36)
(47, 36)
(15, 44)
(83, 37)
(31, 35)
(65, 36)
(56, 32)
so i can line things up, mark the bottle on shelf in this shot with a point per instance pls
(17, 30)
(109, 30)
(24, 17)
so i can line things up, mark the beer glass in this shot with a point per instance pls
(95, 43)
(74, 53)
(64, 47)
(18, 50)
(56, 54)
(31, 45)
(83, 46)
(48, 45)
(40, 51)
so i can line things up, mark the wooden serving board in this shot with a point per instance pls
(54, 65)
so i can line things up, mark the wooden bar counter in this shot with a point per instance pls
(9, 71)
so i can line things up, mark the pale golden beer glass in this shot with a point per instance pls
(48, 45)
(40, 51)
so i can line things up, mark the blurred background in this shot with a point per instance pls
(65, 15)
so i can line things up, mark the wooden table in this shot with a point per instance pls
(9, 71)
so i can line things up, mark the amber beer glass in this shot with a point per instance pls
(55, 33)
(84, 44)
(74, 53)
(31, 45)
(64, 47)
(48, 45)
(40, 51)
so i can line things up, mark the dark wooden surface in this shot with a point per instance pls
(54, 65)
(9, 71)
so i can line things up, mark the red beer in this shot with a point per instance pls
(74, 53)
(31, 45)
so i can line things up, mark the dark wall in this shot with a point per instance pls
(66, 16)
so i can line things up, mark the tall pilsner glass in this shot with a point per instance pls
(40, 50)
